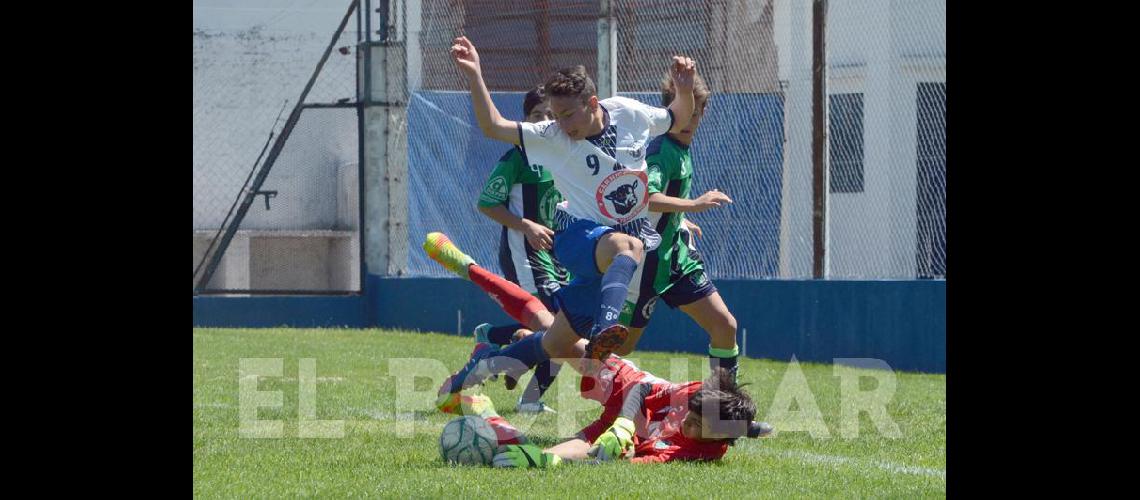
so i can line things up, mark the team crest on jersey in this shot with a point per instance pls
(624, 198)
(496, 189)
(622, 195)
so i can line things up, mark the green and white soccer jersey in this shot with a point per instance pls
(530, 194)
(670, 171)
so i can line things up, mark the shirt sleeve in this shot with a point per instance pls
(656, 176)
(498, 186)
(634, 400)
(539, 140)
(660, 119)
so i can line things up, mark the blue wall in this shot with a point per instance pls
(295, 311)
(900, 322)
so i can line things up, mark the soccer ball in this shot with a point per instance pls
(468, 440)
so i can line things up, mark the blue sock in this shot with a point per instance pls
(515, 359)
(615, 287)
(544, 375)
(501, 335)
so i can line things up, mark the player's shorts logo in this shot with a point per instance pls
(700, 279)
(647, 310)
(551, 287)
(622, 195)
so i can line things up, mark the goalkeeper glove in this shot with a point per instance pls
(616, 442)
(526, 455)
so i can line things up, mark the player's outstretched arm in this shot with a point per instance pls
(660, 202)
(490, 121)
(682, 71)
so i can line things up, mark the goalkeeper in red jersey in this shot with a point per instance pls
(645, 419)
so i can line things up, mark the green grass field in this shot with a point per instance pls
(388, 442)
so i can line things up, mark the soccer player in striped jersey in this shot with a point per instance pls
(675, 271)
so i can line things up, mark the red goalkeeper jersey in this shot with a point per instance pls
(658, 427)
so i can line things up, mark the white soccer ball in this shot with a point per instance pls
(468, 440)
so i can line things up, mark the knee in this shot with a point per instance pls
(725, 329)
(629, 245)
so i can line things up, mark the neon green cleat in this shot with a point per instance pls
(440, 248)
(462, 404)
(480, 405)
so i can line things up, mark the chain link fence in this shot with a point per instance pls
(886, 72)
(302, 233)
(886, 99)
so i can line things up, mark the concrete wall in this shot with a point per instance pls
(251, 57)
(241, 81)
(286, 260)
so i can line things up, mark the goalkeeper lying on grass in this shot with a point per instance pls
(645, 419)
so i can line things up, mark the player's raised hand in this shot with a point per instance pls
(464, 54)
(682, 71)
(539, 236)
(712, 198)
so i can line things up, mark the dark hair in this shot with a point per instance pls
(571, 82)
(532, 99)
(701, 91)
(734, 407)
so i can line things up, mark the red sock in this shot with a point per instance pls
(514, 300)
(506, 432)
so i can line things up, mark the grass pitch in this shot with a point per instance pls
(379, 385)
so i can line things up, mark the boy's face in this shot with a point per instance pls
(540, 112)
(575, 118)
(693, 427)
